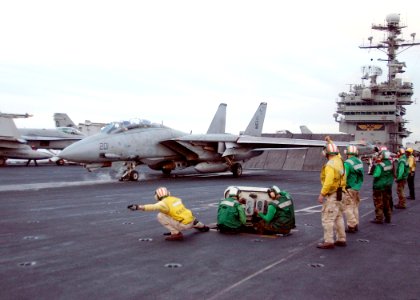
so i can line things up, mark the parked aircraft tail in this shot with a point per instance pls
(255, 126)
(304, 129)
(8, 129)
(12, 145)
(218, 124)
(63, 120)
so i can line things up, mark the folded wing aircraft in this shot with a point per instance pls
(162, 148)
(51, 138)
(12, 144)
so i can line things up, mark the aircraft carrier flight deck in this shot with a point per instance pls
(67, 234)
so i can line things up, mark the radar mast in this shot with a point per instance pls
(375, 113)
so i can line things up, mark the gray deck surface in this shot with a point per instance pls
(66, 234)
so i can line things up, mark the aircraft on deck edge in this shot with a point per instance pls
(12, 144)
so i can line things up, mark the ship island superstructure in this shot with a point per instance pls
(374, 112)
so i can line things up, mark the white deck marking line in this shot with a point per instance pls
(228, 289)
(49, 185)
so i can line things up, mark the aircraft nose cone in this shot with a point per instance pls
(82, 151)
(71, 153)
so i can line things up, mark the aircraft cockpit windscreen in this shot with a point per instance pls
(69, 130)
(116, 127)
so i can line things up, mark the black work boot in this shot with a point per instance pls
(325, 245)
(351, 229)
(203, 229)
(175, 237)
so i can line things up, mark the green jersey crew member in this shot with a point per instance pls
(173, 215)
(402, 172)
(280, 216)
(354, 180)
(231, 216)
(382, 188)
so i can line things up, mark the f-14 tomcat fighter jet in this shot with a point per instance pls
(166, 149)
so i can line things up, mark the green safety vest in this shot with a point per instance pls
(284, 218)
(383, 176)
(229, 213)
(403, 168)
(354, 173)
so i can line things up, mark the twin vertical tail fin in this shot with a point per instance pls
(255, 126)
(218, 124)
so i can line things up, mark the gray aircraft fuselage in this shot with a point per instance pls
(56, 138)
(134, 144)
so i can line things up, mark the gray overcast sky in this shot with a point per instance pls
(175, 61)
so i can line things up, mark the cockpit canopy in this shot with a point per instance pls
(122, 126)
(69, 130)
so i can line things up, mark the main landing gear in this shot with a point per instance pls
(236, 169)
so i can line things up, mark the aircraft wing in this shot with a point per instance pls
(12, 139)
(216, 144)
(200, 146)
(49, 138)
(23, 152)
(207, 138)
(275, 142)
(16, 148)
(181, 148)
(194, 147)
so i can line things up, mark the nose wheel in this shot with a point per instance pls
(130, 174)
(134, 176)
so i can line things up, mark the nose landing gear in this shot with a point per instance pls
(130, 174)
